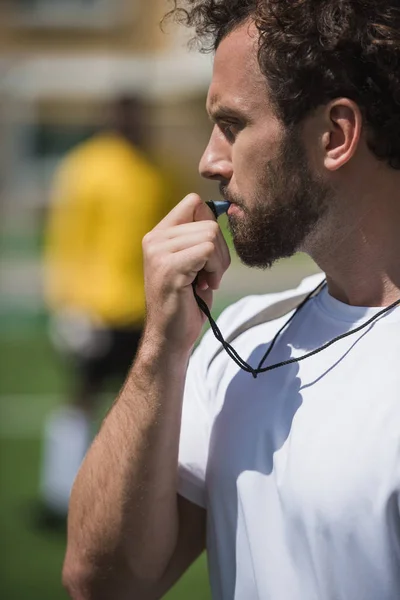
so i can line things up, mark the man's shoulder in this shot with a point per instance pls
(235, 319)
(249, 306)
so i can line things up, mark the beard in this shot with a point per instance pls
(285, 210)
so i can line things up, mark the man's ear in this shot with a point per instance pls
(342, 136)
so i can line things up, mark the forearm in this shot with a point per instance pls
(123, 511)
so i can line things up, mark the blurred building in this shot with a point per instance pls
(61, 61)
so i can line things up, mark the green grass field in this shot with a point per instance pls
(31, 384)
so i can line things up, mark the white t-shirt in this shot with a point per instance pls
(299, 469)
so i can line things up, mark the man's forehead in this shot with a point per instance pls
(238, 50)
(236, 73)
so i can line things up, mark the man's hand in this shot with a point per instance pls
(186, 245)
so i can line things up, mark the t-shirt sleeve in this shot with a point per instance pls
(195, 432)
(199, 411)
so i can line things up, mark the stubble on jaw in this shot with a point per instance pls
(286, 209)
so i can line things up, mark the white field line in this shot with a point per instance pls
(22, 415)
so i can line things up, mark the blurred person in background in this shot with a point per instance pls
(106, 196)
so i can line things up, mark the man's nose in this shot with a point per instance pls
(216, 162)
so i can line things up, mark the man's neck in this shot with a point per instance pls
(361, 256)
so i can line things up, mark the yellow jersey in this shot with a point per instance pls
(106, 197)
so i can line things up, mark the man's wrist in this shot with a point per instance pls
(157, 353)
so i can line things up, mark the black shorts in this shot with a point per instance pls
(114, 363)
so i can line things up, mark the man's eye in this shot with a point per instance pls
(230, 130)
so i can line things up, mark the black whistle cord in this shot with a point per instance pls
(260, 369)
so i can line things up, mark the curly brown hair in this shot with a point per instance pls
(312, 51)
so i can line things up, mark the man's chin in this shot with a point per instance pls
(263, 260)
(253, 261)
(258, 265)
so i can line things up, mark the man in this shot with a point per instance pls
(107, 195)
(291, 480)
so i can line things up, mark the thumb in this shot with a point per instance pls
(191, 208)
(182, 213)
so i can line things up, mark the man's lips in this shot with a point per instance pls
(234, 209)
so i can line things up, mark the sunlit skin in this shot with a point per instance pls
(356, 242)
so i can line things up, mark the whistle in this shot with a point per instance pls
(219, 207)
